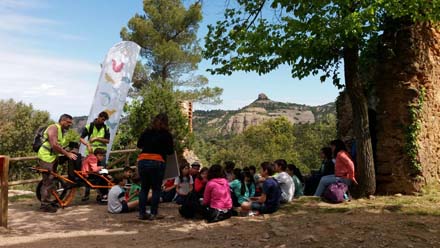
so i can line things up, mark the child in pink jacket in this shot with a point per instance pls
(217, 196)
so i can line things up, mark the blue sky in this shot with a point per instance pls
(50, 52)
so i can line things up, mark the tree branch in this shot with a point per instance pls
(256, 14)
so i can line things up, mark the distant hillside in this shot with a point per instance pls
(78, 123)
(225, 122)
(211, 123)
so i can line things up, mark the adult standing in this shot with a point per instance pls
(344, 168)
(48, 157)
(156, 143)
(97, 132)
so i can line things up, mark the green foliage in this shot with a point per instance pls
(72, 136)
(18, 124)
(269, 141)
(167, 33)
(312, 37)
(153, 99)
(309, 36)
(310, 138)
(413, 132)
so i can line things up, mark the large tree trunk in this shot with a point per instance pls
(365, 174)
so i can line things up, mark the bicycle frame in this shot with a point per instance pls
(73, 185)
(68, 199)
(90, 184)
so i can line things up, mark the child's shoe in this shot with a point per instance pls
(252, 213)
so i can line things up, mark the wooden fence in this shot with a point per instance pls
(5, 162)
(4, 168)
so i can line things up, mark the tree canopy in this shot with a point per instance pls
(154, 99)
(18, 124)
(309, 36)
(313, 38)
(167, 33)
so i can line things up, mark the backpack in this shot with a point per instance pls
(190, 206)
(39, 139)
(335, 192)
(90, 130)
(91, 126)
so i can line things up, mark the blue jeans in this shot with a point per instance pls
(327, 180)
(151, 173)
(262, 208)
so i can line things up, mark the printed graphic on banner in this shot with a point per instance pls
(113, 85)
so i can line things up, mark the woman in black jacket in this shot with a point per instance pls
(156, 143)
(327, 168)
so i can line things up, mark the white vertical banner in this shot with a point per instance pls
(113, 85)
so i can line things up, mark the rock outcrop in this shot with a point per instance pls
(259, 111)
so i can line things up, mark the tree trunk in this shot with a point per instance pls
(365, 174)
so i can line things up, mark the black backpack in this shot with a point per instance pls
(39, 139)
(91, 126)
(190, 206)
(90, 130)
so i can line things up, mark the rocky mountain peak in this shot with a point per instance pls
(262, 97)
(262, 109)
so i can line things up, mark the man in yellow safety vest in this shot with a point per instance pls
(48, 155)
(97, 132)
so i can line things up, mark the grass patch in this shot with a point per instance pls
(16, 198)
(30, 187)
(416, 224)
(394, 208)
(425, 204)
(334, 210)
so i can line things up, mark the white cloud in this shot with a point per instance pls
(49, 82)
(14, 22)
(21, 4)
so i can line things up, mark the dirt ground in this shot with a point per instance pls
(305, 223)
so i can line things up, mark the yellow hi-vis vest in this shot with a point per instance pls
(96, 134)
(46, 153)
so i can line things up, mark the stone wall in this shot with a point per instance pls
(410, 61)
(429, 152)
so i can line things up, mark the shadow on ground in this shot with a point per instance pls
(305, 223)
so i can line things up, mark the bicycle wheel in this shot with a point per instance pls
(38, 190)
(62, 189)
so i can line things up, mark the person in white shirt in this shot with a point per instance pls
(116, 198)
(284, 180)
(184, 184)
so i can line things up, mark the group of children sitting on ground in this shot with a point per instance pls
(217, 192)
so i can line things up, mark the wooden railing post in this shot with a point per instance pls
(4, 169)
(127, 159)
